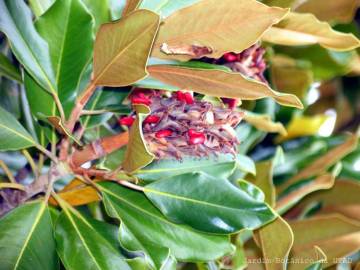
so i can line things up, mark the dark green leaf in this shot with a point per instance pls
(8, 70)
(26, 239)
(12, 135)
(209, 204)
(81, 246)
(67, 27)
(27, 45)
(154, 234)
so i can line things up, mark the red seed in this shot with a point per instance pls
(141, 100)
(152, 119)
(230, 57)
(180, 96)
(231, 102)
(163, 133)
(197, 139)
(189, 99)
(126, 121)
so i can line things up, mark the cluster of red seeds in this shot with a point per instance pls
(180, 125)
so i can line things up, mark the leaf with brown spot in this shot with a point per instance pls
(305, 29)
(122, 49)
(219, 83)
(224, 26)
(56, 122)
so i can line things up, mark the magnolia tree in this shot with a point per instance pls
(179, 134)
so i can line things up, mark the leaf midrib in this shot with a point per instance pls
(29, 139)
(113, 60)
(27, 240)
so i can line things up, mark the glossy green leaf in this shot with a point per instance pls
(60, 27)
(167, 7)
(154, 234)
(26, 239)
(221, 167)
(99, 10)
(12, 135)
(8, 70)
(39, 7)
(27, 45)
(81, 246)
(10, 100)
(123, 42)
(219, 208)
(137, 154)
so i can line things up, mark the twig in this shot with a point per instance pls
(99, 148)
(13, 186)
(47, 153)
(93, 112)
(7, 171)
(31, 163)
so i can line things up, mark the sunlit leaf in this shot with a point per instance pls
(263, 122)
(219, 83)
(137, 154)
(234, 210)
(305, 29)
(340, 11)
(300, 126)
(25, 230)
(39, 7)
(122, 48)
(193, 26)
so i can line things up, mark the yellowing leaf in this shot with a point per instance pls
(137, 154)
(122, 49)
(219, 83)
(264, 122)
(289, 77)
(77, 193)
(223, 26)
(305, 29)
(340, 11)
(335, 235)
(275, 240)
(307, 258)
(300, 126)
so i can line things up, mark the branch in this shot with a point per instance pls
(99, 148)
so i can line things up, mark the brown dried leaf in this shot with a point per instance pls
(194, 51)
